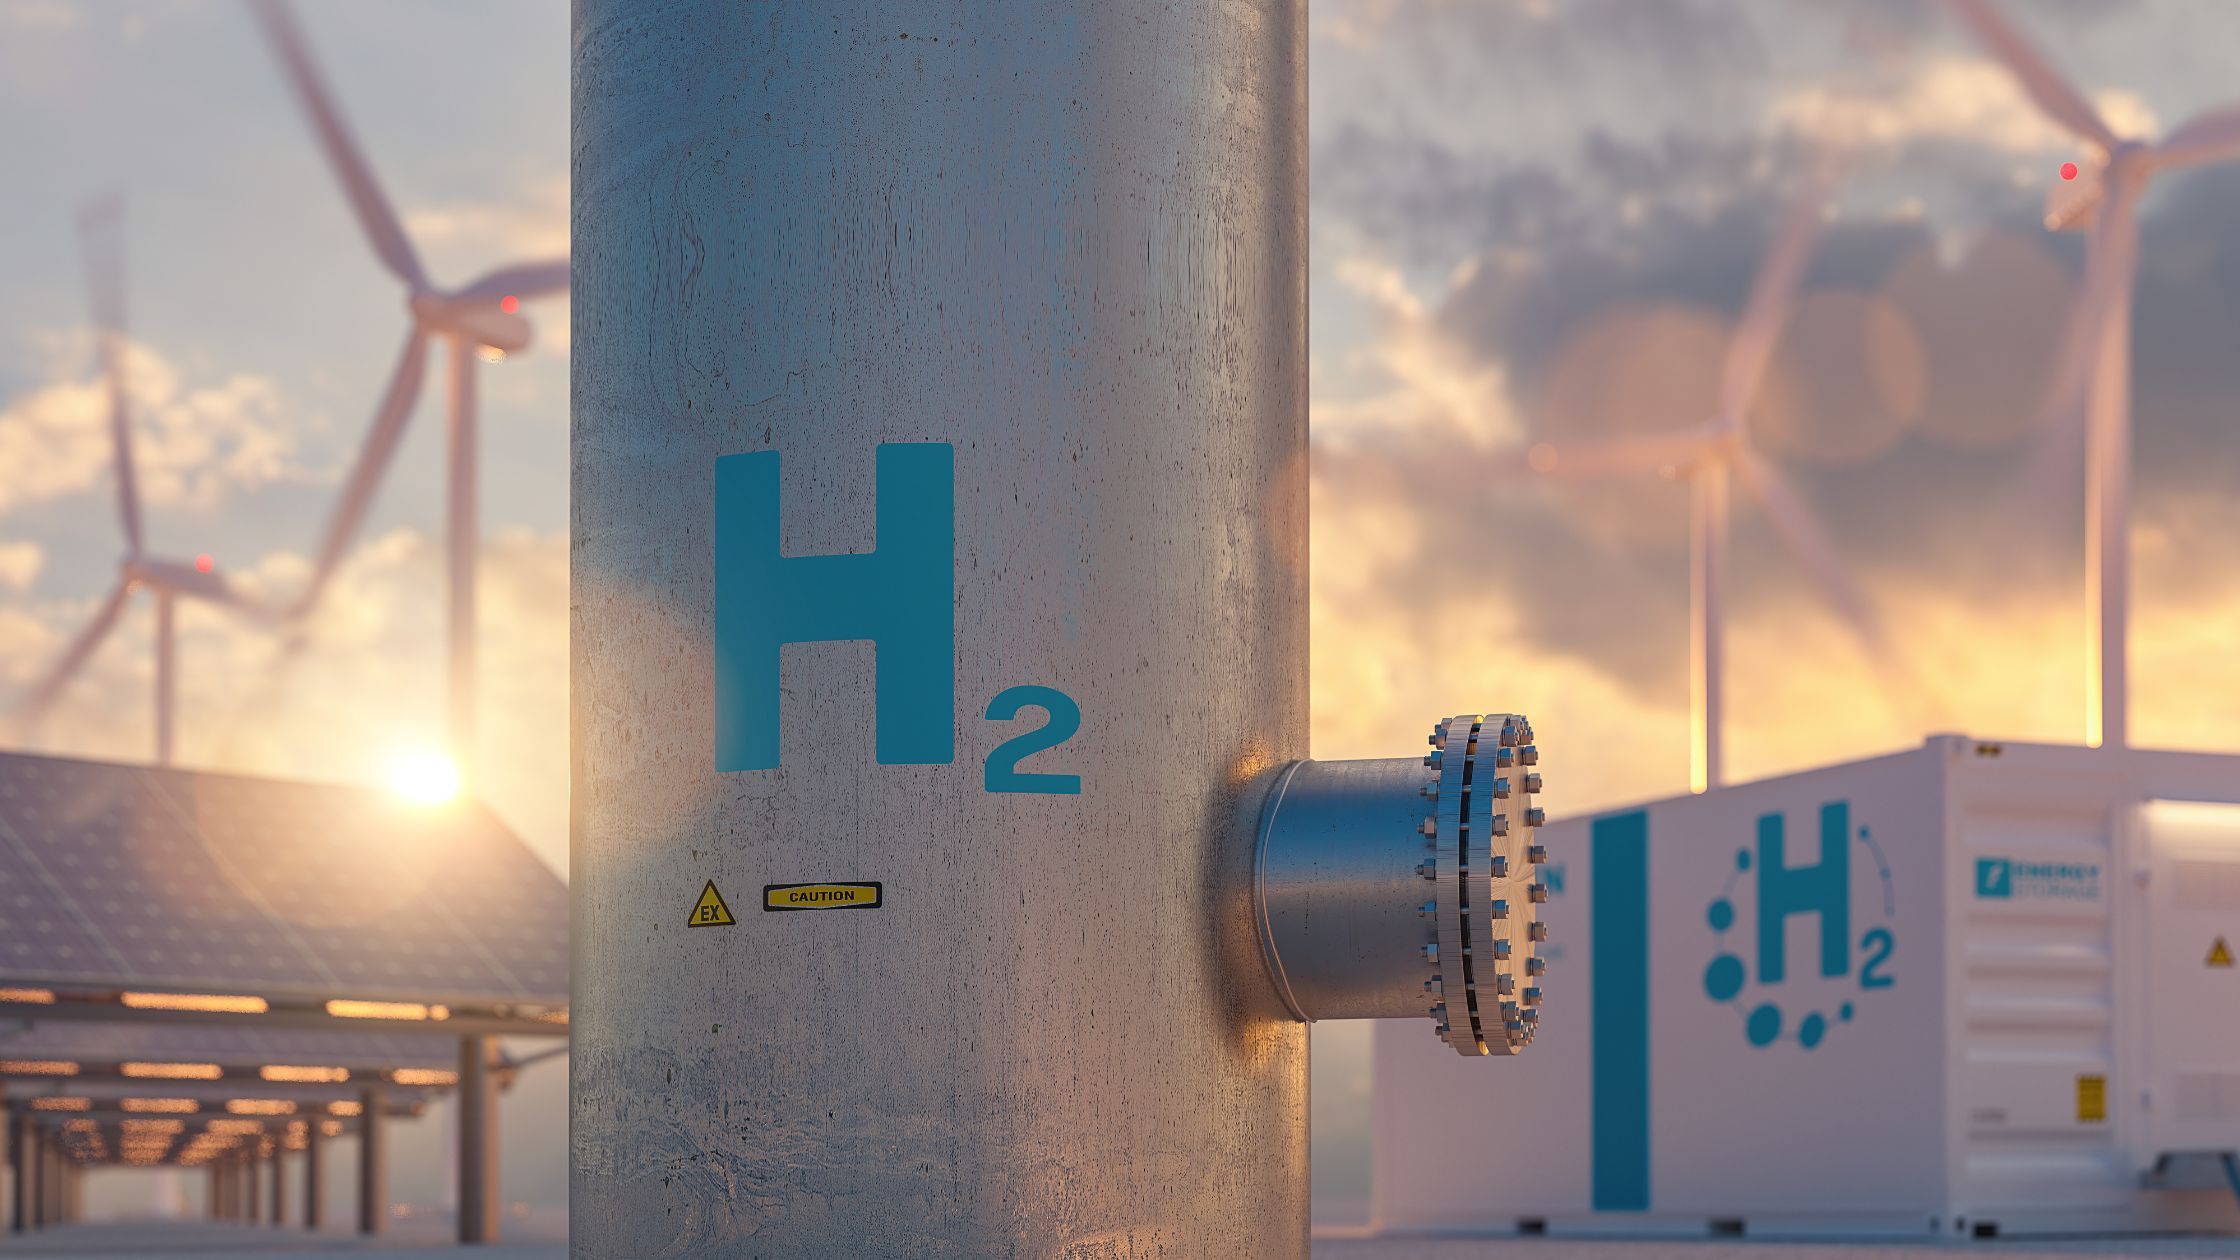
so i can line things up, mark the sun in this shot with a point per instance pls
(425, 777)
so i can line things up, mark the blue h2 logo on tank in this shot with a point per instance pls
(1820, 889)
(901, 596)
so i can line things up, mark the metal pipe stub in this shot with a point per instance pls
(1389, 888)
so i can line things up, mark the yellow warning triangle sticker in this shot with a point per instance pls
(710, 911)
(2220, 954)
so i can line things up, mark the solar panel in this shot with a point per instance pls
(143, 877)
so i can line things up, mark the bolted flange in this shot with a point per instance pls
(1345, 849)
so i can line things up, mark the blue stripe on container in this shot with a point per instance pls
(1619, 853)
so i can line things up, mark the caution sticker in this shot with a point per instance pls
(710, 911)
(820, 896)
(2092, 1099)
(2220, 954)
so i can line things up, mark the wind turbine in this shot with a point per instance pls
(2095, 365)
(1711, 454)
(482, 317)
(100, 230)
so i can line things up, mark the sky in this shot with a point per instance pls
(1536, 221)
(1532, 221)
(264, 332)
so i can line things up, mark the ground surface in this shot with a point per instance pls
(195, 1238)
(137, 1242)
(1642, 1249)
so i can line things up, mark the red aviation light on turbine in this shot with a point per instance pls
(478, 321)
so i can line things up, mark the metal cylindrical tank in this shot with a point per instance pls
(939, 570)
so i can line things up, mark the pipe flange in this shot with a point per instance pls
(1483, 836)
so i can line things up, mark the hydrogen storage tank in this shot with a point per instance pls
(949, 876)
(1973, 988)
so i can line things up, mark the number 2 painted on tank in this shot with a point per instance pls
(1003, 773)
(1870, 972)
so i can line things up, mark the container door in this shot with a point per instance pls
(2192, 967)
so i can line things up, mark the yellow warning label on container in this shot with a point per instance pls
(2220, 954)
(2092, 1099)
(820, 896)
(710, 911)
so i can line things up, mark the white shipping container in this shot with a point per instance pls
(1971, 988)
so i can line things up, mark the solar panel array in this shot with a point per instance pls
(139, 877)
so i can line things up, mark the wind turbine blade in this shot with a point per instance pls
(2061, 101)
(366, 198)
(1800, 532)
(100, 239)
(522, 280)
(42, 694)
(2203, 138)
(373, 460)
(2110, 257)
(1771, 295)
(1648, 453)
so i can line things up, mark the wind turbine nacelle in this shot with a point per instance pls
(180, 579)
(476, 321)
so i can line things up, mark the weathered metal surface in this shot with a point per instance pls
(1068, 243)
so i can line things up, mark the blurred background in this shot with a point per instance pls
(1534, 221)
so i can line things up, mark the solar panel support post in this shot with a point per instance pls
(478, 1141)
(314, 1175)
(279, 1182)
(73, 1190)
(37, 1166)
(47, 1214)
(373, 1168)
(252, 1173)
(19, 1154)
(244, 1181)
(211, 1189)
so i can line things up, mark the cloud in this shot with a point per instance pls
(1423, 382)
(1969, 100)
(20, 563)
(1549, 39)
(1899, 404)
(50, 15)
(488, 233)
(2003, 659)
(196, 442)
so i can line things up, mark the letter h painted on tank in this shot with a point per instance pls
(900, 596)
(1823, 889)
